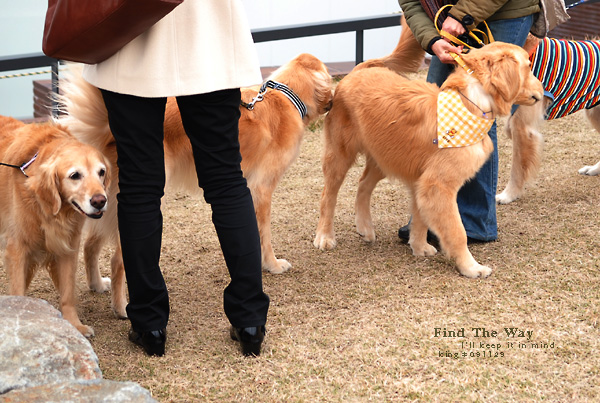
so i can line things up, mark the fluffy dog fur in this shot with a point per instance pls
(270, 138)
(523, 127)
(393, 122)
(42, 214)
(406, 57)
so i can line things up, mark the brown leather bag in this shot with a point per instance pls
(90, 31)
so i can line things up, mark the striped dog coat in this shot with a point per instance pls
(569, 70)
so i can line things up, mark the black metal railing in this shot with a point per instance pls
(33, 61)
(357, 25)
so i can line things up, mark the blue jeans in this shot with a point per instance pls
(477, 198)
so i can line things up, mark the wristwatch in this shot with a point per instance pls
(468, 20)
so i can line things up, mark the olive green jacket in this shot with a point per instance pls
(469, 12)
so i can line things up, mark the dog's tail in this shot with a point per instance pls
(82, 109)
(407, 57)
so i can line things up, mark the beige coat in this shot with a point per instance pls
(201, 46)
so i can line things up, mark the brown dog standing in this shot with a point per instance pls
(44, 204)
(393, 121)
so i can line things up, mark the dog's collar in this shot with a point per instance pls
(279, 87)
(23, 167)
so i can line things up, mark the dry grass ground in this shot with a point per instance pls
(358, 323)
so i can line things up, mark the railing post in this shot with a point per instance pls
(55, 88)
(360, 42)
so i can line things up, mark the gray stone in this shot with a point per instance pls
(80, 392)
(38, 346)
(43, 358)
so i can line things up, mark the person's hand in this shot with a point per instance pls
(442, 49)
(453, 27)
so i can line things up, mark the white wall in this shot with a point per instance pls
(330, 48)
(22, 23)
(21, 28)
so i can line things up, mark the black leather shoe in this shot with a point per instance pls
(250, 338)
(153, 341)
(404, 234)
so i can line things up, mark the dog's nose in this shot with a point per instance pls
(538, 96)
(98, 201)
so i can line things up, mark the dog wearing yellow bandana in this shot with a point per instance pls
(568, 70)
(393, 121)
(457, 126)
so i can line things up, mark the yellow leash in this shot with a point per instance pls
(461, 62)
(486, 37)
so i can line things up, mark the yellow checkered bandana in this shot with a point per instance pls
(457, 126)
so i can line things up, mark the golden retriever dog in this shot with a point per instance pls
(49, 184)
(393, 122)
(572, 91)
(270, 139)
(523, 127)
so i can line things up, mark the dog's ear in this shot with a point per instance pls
(45, 184)
(325, 100)
(505, 78)
(498, 72)
(108, 173)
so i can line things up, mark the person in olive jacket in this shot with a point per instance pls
(509, 21)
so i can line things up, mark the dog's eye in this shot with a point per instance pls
(75, 176)
(102, 172)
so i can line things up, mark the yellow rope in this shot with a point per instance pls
(487, 36)
(33, 73)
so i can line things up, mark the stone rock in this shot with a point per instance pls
(97, 390)
(43, 358)
(39, 347)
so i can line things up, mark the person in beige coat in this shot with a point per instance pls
(201, 53)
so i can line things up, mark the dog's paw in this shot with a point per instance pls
(590, 170)
(425, 250)
(280, 266)
(102, 286)
(120, 313)
(87, 331)
(505, 198)
(476, 271)
(324, 242)
(365, 230)
(118, 304)
(367, 235)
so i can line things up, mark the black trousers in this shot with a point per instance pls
(211, 123)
